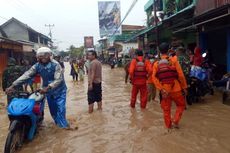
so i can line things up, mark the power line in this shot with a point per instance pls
(23, 8)
(126, 15)
(21, 3)
(20, 8)
(3, 18)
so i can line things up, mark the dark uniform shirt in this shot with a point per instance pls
(11, 74)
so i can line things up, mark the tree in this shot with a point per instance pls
(76, 51)
(63, 53)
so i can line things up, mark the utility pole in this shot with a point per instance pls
(50, 28)
(156, 22)
(157, 29)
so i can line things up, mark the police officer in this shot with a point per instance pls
(10, 74)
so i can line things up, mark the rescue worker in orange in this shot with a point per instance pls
(169, 79)
(172, 54)
(150, 84)
(138, 71)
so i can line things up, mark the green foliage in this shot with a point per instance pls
(63, 53)
(170, 7)
(76, 51)
(173, 6)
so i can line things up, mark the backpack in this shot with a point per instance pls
(166, 73)
(140, 69)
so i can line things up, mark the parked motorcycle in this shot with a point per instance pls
(197, 89)
(226, 94)
(113, 63)
(25, 114)
(199, 82)
(210, 68)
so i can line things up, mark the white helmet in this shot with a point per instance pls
(43, 50)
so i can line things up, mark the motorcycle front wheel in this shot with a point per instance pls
(15, 137)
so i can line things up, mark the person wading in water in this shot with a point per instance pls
(94, 80)
(139, 69)
(170, 81)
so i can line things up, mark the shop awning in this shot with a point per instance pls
(149, 29)
(143, 32)
(148, 4)
(206, 18)
(9, 44)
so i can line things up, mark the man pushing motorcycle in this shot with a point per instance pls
(53, 87)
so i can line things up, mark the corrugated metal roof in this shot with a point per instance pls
(131, 27)
(121, 38)
(128, 31)
(142, 32)
(24, 25)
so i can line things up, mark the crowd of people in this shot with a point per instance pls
(168, 71)
(78, 69)
(165, 74)
(49, 70)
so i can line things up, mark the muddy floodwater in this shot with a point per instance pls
(204, 128)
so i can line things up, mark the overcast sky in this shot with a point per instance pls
(73, 19)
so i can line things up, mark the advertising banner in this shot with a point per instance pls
(89, 42)
(109, 18)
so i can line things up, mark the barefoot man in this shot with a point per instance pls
(94, 79)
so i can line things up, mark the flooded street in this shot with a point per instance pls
(205, 128)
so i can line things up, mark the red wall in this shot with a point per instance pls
(3, 62)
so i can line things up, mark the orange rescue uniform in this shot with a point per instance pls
(139, 83)
(150, 84)
(174, 93)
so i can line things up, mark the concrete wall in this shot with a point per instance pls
(27, 48)
(16, 31)
(127, 46)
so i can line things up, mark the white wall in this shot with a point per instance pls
(128, 46)
(27, 48)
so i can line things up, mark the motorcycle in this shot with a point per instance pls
(197, 89)
(199, 84)
(226, 93)
(210, 68)
(112, 64)
(26, 115)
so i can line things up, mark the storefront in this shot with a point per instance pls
(8, 48)
(214, 34)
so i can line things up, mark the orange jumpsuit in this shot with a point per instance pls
(151, 86)
(174, 93)
(139, 84)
